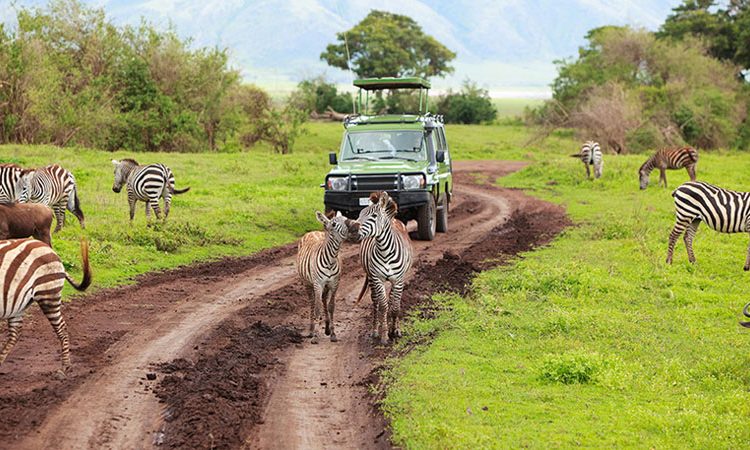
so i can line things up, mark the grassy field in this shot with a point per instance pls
(593, 341)
(238, 203)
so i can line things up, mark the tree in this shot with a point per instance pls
(471, 105)
(384, 44)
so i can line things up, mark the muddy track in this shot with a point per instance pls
(211, 356)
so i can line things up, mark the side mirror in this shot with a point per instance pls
(332, 159)
(440, 156)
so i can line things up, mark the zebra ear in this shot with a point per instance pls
(115, 162)
(384, 197)
(321, 217)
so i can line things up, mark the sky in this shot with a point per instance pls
(507, 46)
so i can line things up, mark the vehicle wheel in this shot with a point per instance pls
(442, 216)
(426, 221)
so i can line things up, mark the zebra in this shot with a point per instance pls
(386, 253)
(52, 186)
(32, 272)
(723, 210)
(9, 176)
(591, 155)
(147, 184)
(319, 268)
(669, 158)
(747, 314)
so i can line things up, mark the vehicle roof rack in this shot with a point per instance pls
(377, 84)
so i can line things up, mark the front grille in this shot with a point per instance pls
(371, 183)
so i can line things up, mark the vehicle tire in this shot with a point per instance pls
(426, 221)
(442, 216)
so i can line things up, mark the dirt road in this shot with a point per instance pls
(211, 356)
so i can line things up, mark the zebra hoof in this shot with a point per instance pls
(60, 374)
(334, 338)
(314, 340)
(328, 330)
(747, 268)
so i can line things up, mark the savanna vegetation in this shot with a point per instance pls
(635, 90)
(593, 341)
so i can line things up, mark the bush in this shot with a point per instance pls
(570, 368)
(317, 95)
(471, 105)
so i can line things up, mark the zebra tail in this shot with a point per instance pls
(364, 289)
(576, 155)
(179, 191)
(86, 281)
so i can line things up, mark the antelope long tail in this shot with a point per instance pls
(364, 289)
(86, 281)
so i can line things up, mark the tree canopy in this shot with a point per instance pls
(384, 44)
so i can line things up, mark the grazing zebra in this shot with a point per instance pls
(591, 155)
(9, 176)
(319, 268)
(669, 158)
(32, 272)
(747, 314)
(723, 210)
(147, 184)
(52, 186)
(386, 254)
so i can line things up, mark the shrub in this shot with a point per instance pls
(571, 368)
(317, 95)
(470, 105)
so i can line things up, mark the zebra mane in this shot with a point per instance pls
(129, 160)
(391, 207)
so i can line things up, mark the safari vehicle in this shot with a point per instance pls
(405, 154)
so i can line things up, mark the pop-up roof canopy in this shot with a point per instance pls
(376, 84)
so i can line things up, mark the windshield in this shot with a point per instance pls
(379, 145)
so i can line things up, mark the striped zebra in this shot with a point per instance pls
(669, 158)
(32, 272)
(723, 210)
(319, 268)
(52, 186)
(147, 184)
(591, 155)
(10, 174)
(386, 255)
(747, 314)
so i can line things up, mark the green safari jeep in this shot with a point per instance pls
(405, 155)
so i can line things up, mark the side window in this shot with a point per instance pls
(442, 138)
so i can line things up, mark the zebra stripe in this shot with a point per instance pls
(669, 158)
(723, 210)
(32, 271)
(52, 186)
(386, 255)
(591, 155)
(10, 174)
(319, 268)
(146, 184)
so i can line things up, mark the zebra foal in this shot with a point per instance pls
(386, 253)
(723, 210)
(54, 187)
(147, 184)
(591, 155)
(669, 158)
(32, 272)
(319, 268)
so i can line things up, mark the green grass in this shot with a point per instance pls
(592, 341)
(238, 204)
(511, 107)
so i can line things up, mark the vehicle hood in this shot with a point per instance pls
(387, 166)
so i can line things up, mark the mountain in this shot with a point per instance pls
(502, 44)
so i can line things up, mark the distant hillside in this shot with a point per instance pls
(504, 44)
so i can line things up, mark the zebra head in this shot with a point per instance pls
(337, 226)
(377, 217)
(23, 186)
(122, 170)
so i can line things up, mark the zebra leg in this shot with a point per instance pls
(51, 309)
(131, 204)
(330, 308)
(747, 262)
(691, 172)
(663, 177)
(395, 309)
(14, 329)
(59, 210)
(155, 207)
(689, 235)
(315, 300)
(324, 299)
(148, 212)
(380, 300)
(597, 171)
(167, 204)
(678, 229)
(588, 171)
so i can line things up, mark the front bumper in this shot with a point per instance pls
(348, 201)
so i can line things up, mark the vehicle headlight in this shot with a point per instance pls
(412, 181)
(338, 183)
